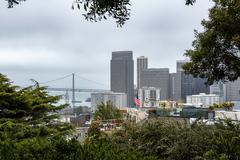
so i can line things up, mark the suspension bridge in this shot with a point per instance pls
(73, 89)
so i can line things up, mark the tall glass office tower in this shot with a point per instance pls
(122, 74)
(142, 64)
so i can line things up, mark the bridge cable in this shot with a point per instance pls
(90, 80)
(57, 79)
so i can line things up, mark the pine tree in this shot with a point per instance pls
(28, 112)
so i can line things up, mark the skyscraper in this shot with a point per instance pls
(122, 74)
(219, 88)
(189, 84)
(233, 90)
(180, 63)
(158, 78)
(142, 64)
(175, 86)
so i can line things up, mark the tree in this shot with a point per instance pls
(226, 105)
(169, 138)
(29, 112)
(94, 129)
(25, 135)
(106, 111)
(29, 125)
(96, 10)
(215, 54)
(163, 105)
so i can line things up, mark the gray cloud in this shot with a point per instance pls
(54, 40)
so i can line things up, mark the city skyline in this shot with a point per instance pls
(119, 79)
(46, 35)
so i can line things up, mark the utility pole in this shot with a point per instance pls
(73, 90)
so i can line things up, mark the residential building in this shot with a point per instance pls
(118, 99)
(203, 100)
(233, 115)
(149, 96)
(122, 74)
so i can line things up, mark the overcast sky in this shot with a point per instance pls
(47, 40)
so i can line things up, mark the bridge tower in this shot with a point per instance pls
(73, 90)
(67, 97)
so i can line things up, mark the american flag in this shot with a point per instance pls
(137, 102)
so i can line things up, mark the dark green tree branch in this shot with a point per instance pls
(29, 112)
(215, 54)
(97, 10)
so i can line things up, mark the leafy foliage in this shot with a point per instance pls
(226, 105)
(106, 111)
(216, 54)
(29, 112)
(11, 3)
(25, 137)
(42, 148)
(163, 104)
(171, 139)
(97, 10)
(29, 128)
(94, 129)
(190, 2)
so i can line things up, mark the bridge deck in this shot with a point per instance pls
(77, 90)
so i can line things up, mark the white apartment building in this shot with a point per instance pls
(203, 100)
(149, 96)
(118, 99)
(233, 115)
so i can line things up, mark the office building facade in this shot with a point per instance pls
(122, 74)
(233, 90)
(175, 86)
(189, 84)
(142, 64)
(158, 78)
(219, 88)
